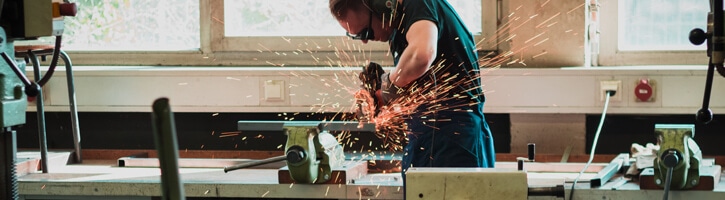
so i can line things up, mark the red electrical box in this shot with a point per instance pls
(645, 90)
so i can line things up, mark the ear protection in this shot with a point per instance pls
(383, 7)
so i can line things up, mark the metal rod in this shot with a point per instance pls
(668, 182)
(40, 111)
(255, 163)
(167, 146)
(16, 69)
(73, 107)
(557, 191)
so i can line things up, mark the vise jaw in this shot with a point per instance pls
(678, 153)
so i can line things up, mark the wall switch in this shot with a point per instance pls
(274, 90)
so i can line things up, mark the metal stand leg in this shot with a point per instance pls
(164, 130)
(40, 110)
(8, 175)
(73, 106)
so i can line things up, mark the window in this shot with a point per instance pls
(254, 18)
(133, 25)
(656, 25)
(216, 32)
(651, 32)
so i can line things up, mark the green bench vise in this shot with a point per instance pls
(311, 151)
(678, 154)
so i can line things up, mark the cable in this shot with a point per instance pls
(53, 62)
(594, 144)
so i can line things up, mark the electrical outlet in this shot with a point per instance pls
(615, 85)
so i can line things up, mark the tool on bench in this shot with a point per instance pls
(311, 151)
(678, 162)
(371, 82)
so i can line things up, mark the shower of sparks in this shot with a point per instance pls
(343, 88)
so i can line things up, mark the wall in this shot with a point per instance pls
(541, 102)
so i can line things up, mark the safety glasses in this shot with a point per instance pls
(366, 33)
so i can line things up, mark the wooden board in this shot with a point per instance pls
(341, 175)
(709, 177)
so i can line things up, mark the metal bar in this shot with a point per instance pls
(610, 170)
(327, 126)
(16, 69)
(40, 111)
(190, 162)
(255, 163)
(73, 106)
(165, 138)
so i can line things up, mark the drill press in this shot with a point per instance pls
(20, 20)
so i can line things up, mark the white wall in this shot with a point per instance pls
(678, 89)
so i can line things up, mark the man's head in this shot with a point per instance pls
(359, 20)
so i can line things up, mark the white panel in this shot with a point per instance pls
(142, 90)
(539, 91)
(686, 91)
(679, 90)
(328, 92)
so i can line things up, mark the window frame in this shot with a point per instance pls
(609, 55)
(218, 50)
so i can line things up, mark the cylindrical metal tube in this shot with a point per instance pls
(73, 106)
(164, 130)
(255, 163)
(40, 110)
(557, 191)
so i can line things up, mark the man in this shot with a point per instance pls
(434, 53)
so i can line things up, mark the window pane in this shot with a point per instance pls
(470, 13)
(306, 17)
(133, 25)
(279, 18)
(660, 24)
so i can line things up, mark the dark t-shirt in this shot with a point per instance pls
(449, 130)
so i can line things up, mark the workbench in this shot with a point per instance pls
(104, 179)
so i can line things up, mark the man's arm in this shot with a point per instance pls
(419, 55)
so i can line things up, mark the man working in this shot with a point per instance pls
(433, 51)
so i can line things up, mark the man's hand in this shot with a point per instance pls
(372, 82)
(389, 91)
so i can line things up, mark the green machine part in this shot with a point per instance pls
(14, 103)
(677, 138)
(302, 155)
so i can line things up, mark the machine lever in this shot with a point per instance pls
(716, 52)
(31, 88)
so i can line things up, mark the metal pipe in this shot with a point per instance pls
(164, 132)
(40, 110)
(73, 106)
(557, 191)
(255, 163)
(668, 182)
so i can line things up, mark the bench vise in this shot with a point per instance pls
(679, 156)
(311, 151)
